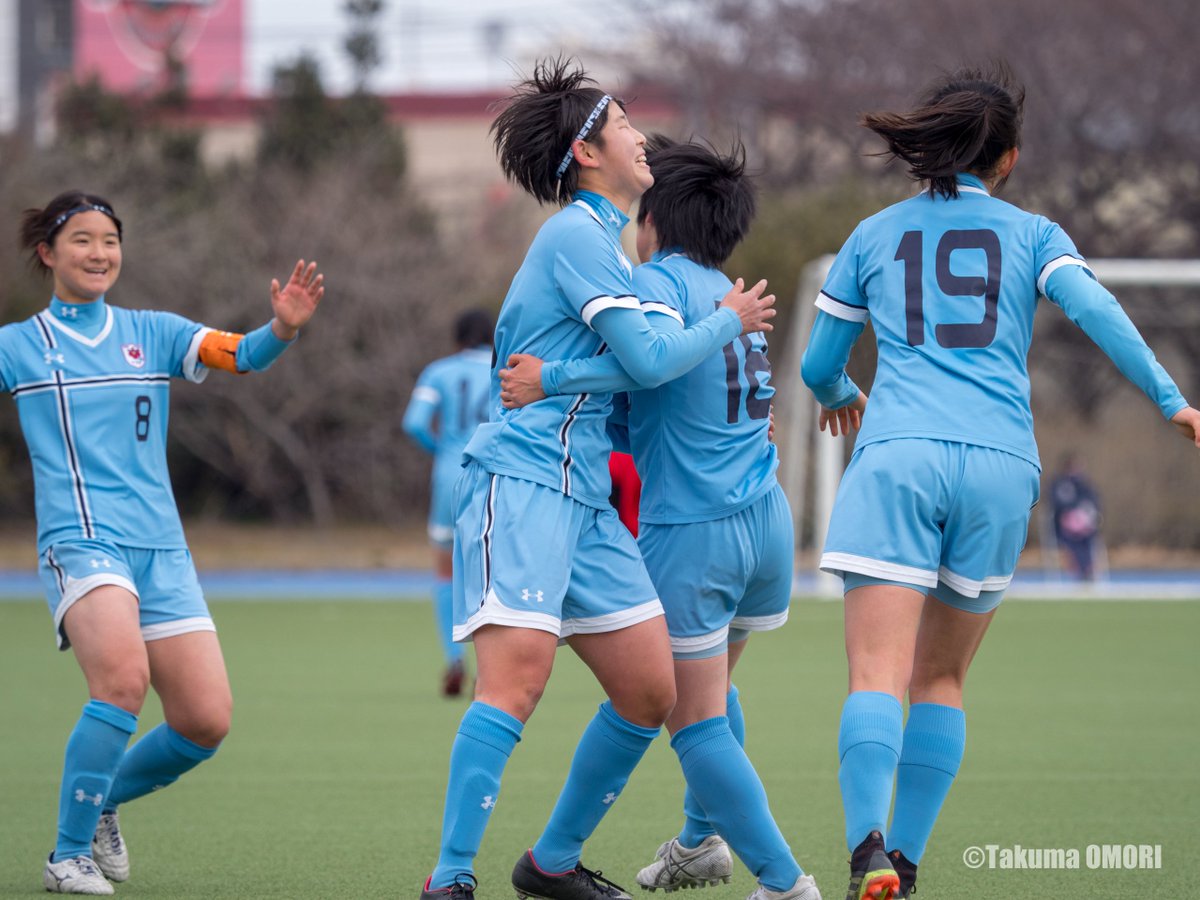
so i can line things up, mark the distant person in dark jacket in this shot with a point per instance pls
(1076, 509)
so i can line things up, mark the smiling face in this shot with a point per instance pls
(85, 257)
(614, 164)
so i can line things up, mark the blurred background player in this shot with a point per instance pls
(540, 554)
(933, 508)
(91, 384)
(716, 529)
(1075, 506)
(450, 399)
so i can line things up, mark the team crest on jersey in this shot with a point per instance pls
(134, 355)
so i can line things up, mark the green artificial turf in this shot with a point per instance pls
(1083, 728)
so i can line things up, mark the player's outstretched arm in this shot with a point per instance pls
(1187, 421)
(295, 303)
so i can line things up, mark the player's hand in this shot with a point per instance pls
(521, 382)
(754, 309)
(1187, 421)
(771, 423)
(844, 420)
(296, 302)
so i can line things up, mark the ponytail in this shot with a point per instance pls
(965, 123)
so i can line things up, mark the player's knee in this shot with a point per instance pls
(650, 705)
(123, 685)
(937, 685)
(208, 726)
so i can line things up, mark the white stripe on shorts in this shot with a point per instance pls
(77, 588)
(613, 621)
(969, 587)
(760, 623)
(160, 630)
(840, 563)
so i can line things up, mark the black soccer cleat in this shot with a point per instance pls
(871, 874)
(462, 889)
(907, 872)
(577, 884)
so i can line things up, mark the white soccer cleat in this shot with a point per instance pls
(78, 875)
(805, 888)
(675, 866)
(108, 849)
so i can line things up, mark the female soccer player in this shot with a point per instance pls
(716, 530)
(932, 510)
(448, 402)
(539, 554)
(91, 385)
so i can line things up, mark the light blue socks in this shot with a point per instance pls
(729, 790)
(934, 740)
(696, 826)
(155, 761)
(94, 752)
(608, 752)
(486, 738)
(869, 749)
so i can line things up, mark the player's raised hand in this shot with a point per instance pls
(848, 418)
(295, 303)
(521, 382)
(1187, 420)
(751, 306)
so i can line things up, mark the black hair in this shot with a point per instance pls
(965, 122)
(539, 124)
(701, 201)
(39, 226)
(474, 328)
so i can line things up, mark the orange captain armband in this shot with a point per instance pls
(218, 350)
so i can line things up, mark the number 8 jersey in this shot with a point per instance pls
(94, 414)
(950, 287)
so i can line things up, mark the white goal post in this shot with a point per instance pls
(811, 463)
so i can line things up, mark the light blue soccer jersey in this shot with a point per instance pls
(700, 441)
(575, 269)
(94, 414)
(454, 391)
(951, 287)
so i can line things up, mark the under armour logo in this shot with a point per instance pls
(82, 796)
(69, 312)
(526, 594)
(612, 217)
(97, 563)
(488, 802)
(52, 358)
(609, 798)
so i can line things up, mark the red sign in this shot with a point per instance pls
(126, 43)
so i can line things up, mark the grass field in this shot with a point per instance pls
(1083, 728)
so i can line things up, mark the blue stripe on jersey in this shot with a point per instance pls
(47, 331)
(489, 523)
(60, 382)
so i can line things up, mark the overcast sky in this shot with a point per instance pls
(427, 44)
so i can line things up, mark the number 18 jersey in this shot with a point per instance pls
(951, 288)
(94, 414)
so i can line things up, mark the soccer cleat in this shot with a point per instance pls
(871, 872)
(78, 875)
(675, 866)
(462, 889)
(907, 873)
(108, 848)
(805, 888)
(577, 884)
(453, 678)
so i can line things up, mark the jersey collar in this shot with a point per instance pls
(603, 211)
(660, 255)
(88, 323)
(972, 184)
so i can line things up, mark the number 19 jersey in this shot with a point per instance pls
(951, 288)
(94, 414)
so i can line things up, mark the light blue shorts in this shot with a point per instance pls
(528, 556)
(943, 517)
(170, 601)
(441, 503)
(729, 573)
